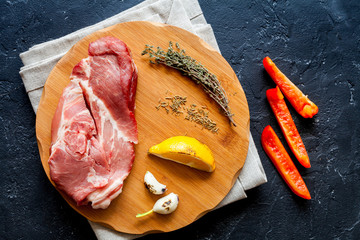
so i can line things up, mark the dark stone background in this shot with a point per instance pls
(316, 43)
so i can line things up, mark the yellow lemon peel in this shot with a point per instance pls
(185, 150)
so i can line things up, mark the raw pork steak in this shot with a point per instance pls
(94, 129)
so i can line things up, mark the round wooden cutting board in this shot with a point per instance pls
(198, 191)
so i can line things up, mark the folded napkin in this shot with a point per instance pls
(40, 59)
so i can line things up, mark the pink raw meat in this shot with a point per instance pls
(106, 82)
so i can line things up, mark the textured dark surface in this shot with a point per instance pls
(315, 43)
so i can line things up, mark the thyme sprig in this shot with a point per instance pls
(177, 58)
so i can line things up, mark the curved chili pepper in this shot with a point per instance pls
(298, 100)
(282, 161)
(288, 127)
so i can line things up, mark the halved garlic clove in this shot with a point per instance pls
(164, 205)
(153, 185)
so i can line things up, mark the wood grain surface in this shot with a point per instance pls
(198, 191)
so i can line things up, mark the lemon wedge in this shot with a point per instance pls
(185, 150)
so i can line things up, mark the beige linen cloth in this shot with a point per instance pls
(40, 59)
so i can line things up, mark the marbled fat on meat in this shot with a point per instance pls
(94, 128)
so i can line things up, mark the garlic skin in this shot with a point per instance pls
(153, 185)
(167, 204)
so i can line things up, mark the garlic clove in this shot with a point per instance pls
(164, 205)
(153, 185)
(167, 204)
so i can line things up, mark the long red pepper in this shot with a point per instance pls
(288, 127)
(283, 163)
(298, 100)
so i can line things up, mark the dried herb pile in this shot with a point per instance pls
(177, 105)
(194, 70)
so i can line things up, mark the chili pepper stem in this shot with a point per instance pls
(144, 214)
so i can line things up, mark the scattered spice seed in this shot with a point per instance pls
(199, 116)
(176, 103)
(194, 114)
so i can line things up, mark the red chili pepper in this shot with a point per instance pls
(282, 161)
(283, 117)
(298, 100)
